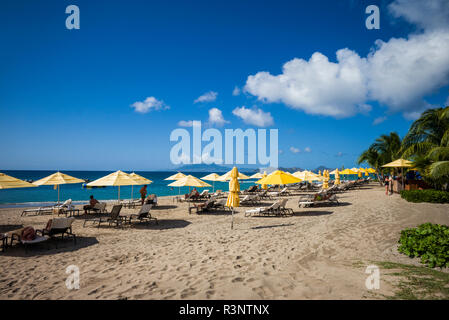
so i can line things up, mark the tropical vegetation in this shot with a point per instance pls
(428, 241)
(426, 144)
(429, 195)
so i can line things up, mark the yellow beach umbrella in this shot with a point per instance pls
(233, 200)
(307, 176)
(400, 163)
(326, 179)
(371, 170)
(118, 178)
(348, 171)
(337, 177)
(176, 176)
(212, 177)
(359, 174)
(279, 177)
(356, 170)
(8, 182)
(57, 179)
(140, 179)
(257, 175)
(189, 181)
(264, 186)
(227, 176)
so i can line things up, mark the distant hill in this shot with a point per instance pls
(322, 168)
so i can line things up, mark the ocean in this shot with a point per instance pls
(47, 195)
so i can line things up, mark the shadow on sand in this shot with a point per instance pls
(308, 213)
(50, 247)
(274, 226)
(163, 224)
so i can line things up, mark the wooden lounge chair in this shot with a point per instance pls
(221, 204)
(143, 214)
(114, 217)
(273, 209)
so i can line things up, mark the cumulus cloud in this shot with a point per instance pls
(426, 14)
(149, 104)
(254, 116)
(207, 97)
(379, 120)
(307, 149)
(295, 150)
(398, 73)
(236, 91)
(216, 117)
(183, 123)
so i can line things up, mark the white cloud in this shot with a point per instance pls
(254, 116)
(295, 150)
(307, 149)
(379, 120)
(149, 104)
(183, 123)
(340, 154)
(398, 73)
(427, 14)
(207, 97)
(216, 117)
(236, 91)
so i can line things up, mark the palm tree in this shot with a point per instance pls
(372, 157)
(388, 147)
(427, 143)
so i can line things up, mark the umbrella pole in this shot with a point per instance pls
(132, 191)
(232, 219)
(118, 194)
(58, 194)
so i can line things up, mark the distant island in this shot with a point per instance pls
(219, 168)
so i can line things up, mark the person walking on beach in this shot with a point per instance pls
(143, 193)
(91, 205)
(387, 184)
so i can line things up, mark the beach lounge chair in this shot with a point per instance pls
(55, 227)
(114, 217)
(143, 214)
(98, 208)
(204, 194)
(319, 199)
(283, 208)
(131, 203)
(38, 211)
(202, 207)
(273, 209)
(221, 204)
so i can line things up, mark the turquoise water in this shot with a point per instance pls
(44, 194)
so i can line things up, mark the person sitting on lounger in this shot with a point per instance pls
(91, 205)
(151, 199)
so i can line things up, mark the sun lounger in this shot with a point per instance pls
(114, 217)
(319, 199)
(98, 207)
(143, 214)
(40, 210)
(202, 207)
(273, 209)
(283, 208)
(131, 203)
(221, 204)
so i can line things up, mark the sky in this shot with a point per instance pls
(108, 95)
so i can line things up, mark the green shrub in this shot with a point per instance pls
(429, 195)
(428, 241)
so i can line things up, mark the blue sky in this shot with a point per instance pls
(66, 96)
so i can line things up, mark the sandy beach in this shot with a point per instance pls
(318, 253)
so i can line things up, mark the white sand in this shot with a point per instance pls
(311, 255)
